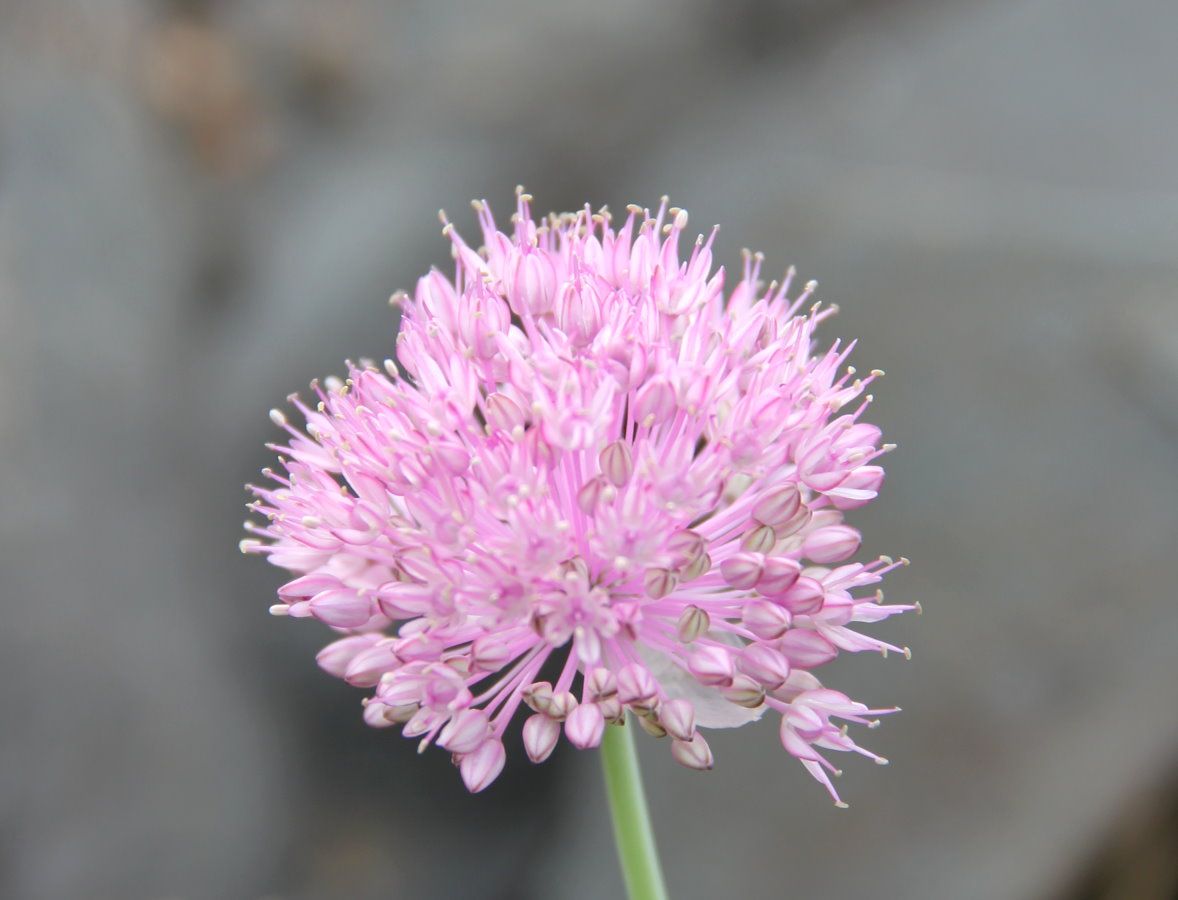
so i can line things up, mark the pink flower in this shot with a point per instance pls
(589, 483)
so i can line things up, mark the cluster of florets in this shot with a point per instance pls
(589, 484)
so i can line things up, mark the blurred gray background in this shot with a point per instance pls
(204, 205)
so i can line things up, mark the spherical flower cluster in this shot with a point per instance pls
(588, 484)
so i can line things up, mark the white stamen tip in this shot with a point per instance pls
(280, 609)
(278, 417)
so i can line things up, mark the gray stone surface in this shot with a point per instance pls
(204, 205)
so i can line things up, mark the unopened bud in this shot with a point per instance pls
(489, 654)
(805, 598)
(399, 715)
(833, 543)
(612, 709)
(337, 656)
(651, 726)
(540, 736)
(466, 731)
(694, 754)
(743, 570)
(794, 523)
(711, 666)
(659, 582)
(761, 539)
(763, 664)
(601, 683)
(701, 566)
(778, 505)
(636, 686)
(504, 413)
(562, 705)
(483, 766)
(766, 619)
(590, 494)
(654, 402)
(685, 547)
(677, 717)
(779, 575)
(585, 726)
(616, 463)
(693, 623)
(744, 692)
(538, 696)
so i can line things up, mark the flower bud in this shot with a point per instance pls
(659, 582)
(636, 686)
(538, 696)
(694, 754)
(616, 463)
(700, 566)
(766, 620)
(795, 523)
(417, 646)
(601, 683)
(761, 539)
(779, 575)
(764, 664)
(711, 666)
(341, 608)
(335, 658)
(805, 597)
(376, 715)
(778, 505)
(743, 570)
(612, 709)
(677, 717)
(535, 283)
(483, 766)
(649, 724)
(585, 726)
(693, 623)
(590, 494)
(744, 692)
(503, 413)
(806, 649)
(834, 543)
(540, 736)
(562, 705)
(369, 665)
(685, 547)
(488, 654)
(466, 731)
(654, 402)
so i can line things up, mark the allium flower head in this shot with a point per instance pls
(590, 483)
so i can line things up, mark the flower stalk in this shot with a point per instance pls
(637, 854)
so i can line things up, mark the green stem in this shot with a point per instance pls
(637, 853)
